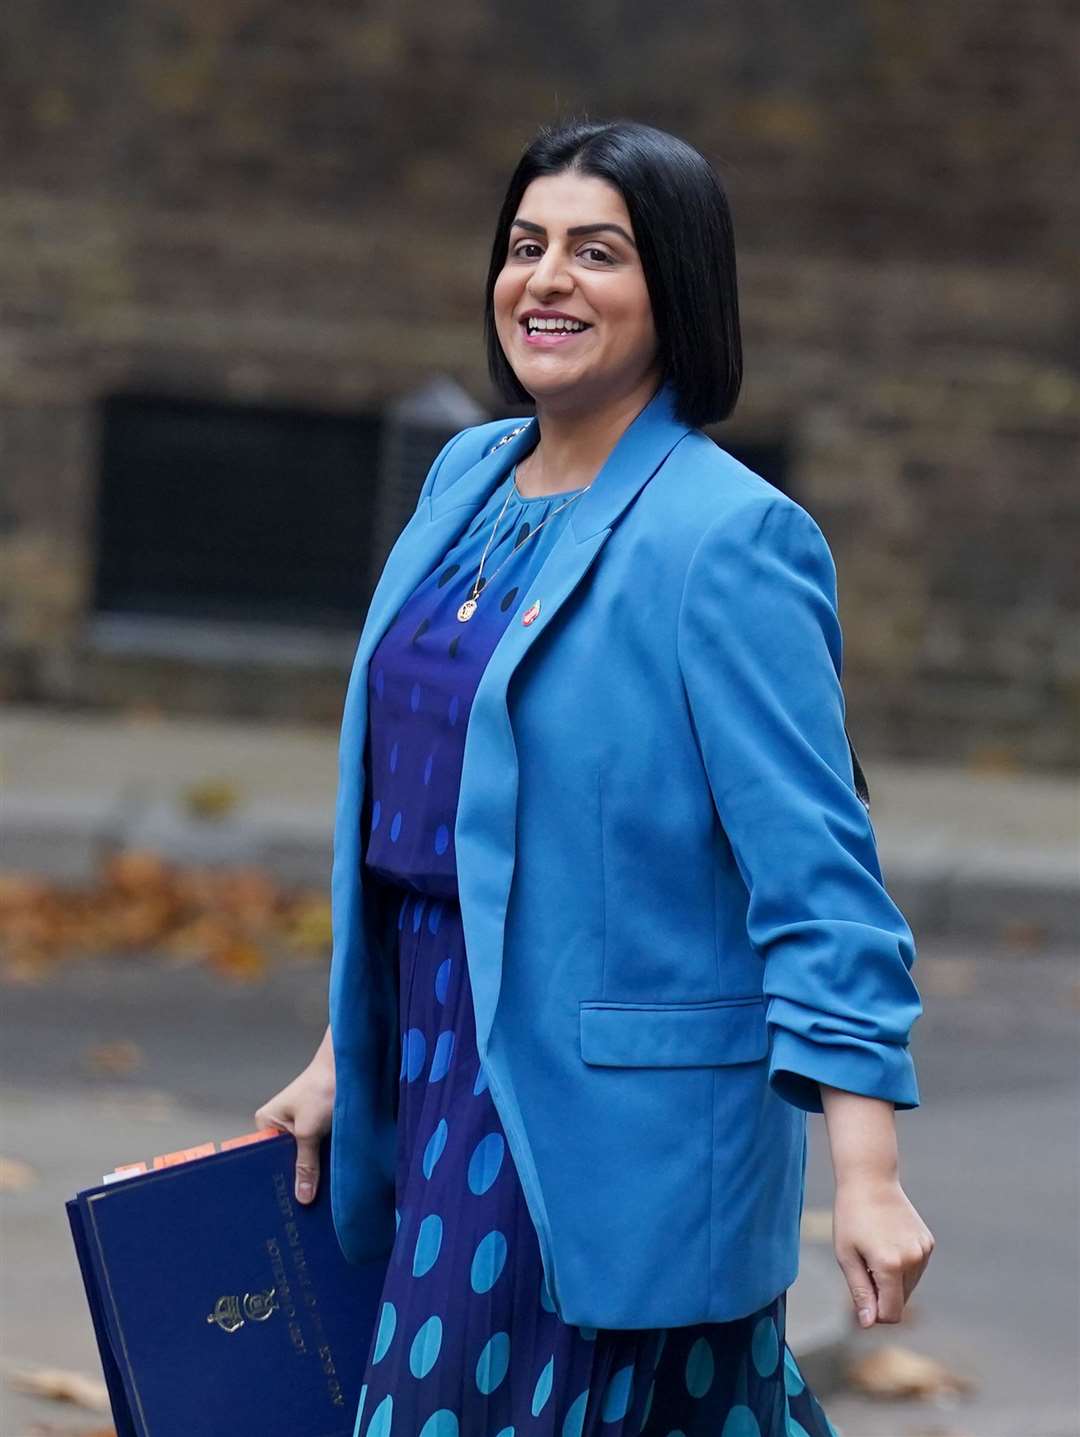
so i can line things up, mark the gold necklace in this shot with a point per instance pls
(468, 608)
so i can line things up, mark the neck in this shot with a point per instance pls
(574, 443)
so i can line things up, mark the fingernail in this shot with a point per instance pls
(303, 1192)
(866, 1317)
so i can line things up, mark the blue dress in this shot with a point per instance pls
(467, 1343)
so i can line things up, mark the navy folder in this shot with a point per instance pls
(220, 1304)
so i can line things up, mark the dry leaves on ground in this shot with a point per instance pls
(893, 1372)
(1025, 936)
(121, 1056)
(15, 1175)
(232, 919)
(210, 798)
(62, 1385)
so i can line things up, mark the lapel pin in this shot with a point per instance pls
(530, 613)
(507, 438)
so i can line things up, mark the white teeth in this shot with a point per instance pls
(573, 326)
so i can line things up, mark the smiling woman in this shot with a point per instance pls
(608, 916)
(597, 261)
(612, 270)
(573, 317)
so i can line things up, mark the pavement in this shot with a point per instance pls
(984, 860)
(984, 854)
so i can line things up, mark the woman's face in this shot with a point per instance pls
(593, 275)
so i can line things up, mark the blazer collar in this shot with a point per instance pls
(641, 449)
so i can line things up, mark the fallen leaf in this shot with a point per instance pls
(250, 896)
(122, 1056)
(1025, 935)
(193, 939)
(309, 930)
(26, 971)
(136, 870)
(140, 923)
(894, 1372)
(15, 1175)
(239, 959)
(62, 1385)
(198, 887)
(21, 890)
(210, 798)
(991, 758)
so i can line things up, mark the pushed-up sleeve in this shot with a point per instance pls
(759, 647)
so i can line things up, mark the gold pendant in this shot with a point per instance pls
(467, 610)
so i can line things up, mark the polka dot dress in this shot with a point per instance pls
(466, 1343)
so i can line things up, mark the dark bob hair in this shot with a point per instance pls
(686, 243)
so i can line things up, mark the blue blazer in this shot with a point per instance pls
(672, 905)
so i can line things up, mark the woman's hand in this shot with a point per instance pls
(881, 1244)
(305, 1108)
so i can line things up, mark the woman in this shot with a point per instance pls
(608, 918)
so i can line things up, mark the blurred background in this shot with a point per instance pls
(242, 253)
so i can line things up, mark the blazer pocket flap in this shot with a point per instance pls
(673, 1035)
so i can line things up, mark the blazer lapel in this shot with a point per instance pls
(485, 828)
(433, 529)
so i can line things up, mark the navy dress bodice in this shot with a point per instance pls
(424, 673)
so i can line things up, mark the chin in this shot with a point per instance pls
(570, 395)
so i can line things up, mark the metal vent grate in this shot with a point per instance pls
(210, 511)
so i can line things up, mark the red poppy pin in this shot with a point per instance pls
(530, 613)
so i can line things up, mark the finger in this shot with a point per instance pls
(860, 1285)
(264, 1118)
(913, 1271)
(307, 1168)
(890, 1292)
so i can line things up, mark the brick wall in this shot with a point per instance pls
(242, 199)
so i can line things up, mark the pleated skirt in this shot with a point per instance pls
(467, 1343)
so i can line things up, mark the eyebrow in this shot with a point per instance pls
(576, 229)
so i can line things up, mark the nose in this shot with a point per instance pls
(550, 275)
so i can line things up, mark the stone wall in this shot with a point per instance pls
(244, 199)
